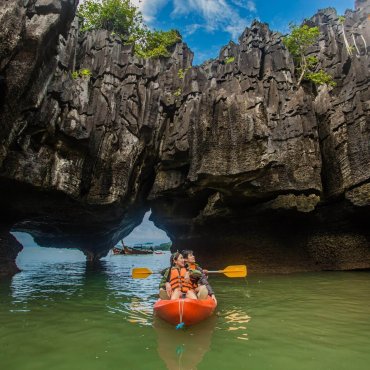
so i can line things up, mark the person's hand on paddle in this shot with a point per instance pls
(205, 271)
(214, 298)
(168, 289)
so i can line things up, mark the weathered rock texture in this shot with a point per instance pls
(281, 175)
(234, 160)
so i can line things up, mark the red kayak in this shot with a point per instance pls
(189, 311)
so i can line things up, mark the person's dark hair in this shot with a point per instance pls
(186, 253)
(174, 256)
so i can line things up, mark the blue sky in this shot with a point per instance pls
(147, 232)
(207, 25)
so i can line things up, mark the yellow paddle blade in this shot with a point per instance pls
(235, 271)
(141, 272)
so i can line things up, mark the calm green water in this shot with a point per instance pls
(67, 315)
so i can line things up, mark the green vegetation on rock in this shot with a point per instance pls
(178, 92)
(155, 43)
(122, 18)
(320, 78)
(229, 60)
(298, 42)
(117, 16)
(82, 73)
(181, 72)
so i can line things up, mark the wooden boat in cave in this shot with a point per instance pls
(137, 250)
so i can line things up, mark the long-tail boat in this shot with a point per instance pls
(137, 250)
(116, 250)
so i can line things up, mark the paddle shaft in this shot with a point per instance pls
(229, 271)
(215, 272)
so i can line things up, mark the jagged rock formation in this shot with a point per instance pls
(231, 158)
(78, 155)
(260, 161)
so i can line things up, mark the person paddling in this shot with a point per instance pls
(203, 289)
(179, 284)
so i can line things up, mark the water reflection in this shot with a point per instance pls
(133, 299)
(235, 320)
(184, 349)
(45, 284)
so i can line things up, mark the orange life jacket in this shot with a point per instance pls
(177, 280)
(192, 266)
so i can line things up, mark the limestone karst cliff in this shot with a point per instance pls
(234, 160)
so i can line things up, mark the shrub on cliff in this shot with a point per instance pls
(156, 43)
(124, 19)
(84, 73)
(298, 42)
(118, 16)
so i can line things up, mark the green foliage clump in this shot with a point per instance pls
(181, 72)
(122, 18)
(229, 60)
(178, 92)
(118, 16)
(300, 39)
(312, 60)
(298, 43)
(82, 73)
(321, 78)
(341, 19)
(154, 44)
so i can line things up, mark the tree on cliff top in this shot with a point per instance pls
(124, 19)
(298, 42)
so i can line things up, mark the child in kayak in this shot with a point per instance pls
(203, 287)
(177, 281)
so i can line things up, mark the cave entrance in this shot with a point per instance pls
(32, 254)
(146, 236)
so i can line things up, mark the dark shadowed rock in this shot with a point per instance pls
(9, 249)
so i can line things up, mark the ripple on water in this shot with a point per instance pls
(234, 320)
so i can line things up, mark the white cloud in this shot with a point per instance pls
(249, 5)
(236, 29)
(217, 14)
(191, 28)
(149, 8)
